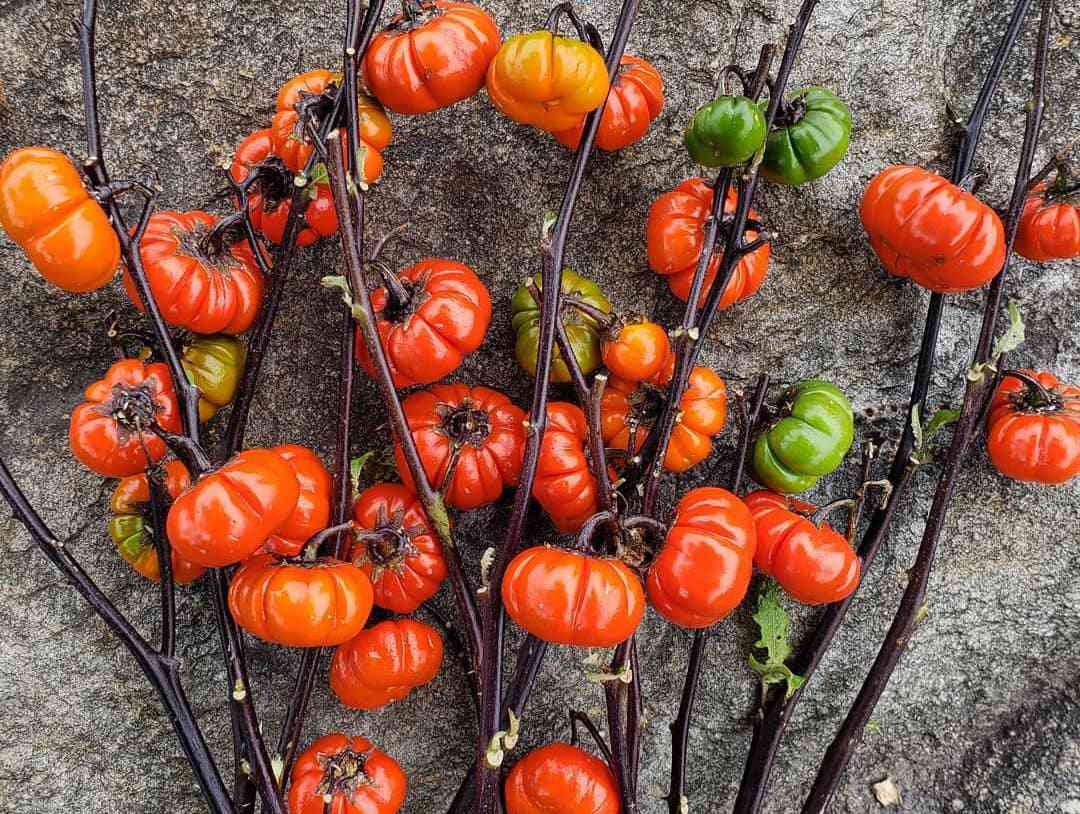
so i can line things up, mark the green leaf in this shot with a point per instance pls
(340, 284)
(941, 418)
(356, 468)
(923, 435)
(773, 621)
(373, 466)
(1014, 334)
(319, 175)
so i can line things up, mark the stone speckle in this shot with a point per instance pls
(983, 714)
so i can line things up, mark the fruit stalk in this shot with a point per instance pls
(552, 251)
(357, 37)
(364, 314)
(161, 670)
(914, 598)
(771, 726)
(680, 727)
(158, 506)
(246, 735)
(690, 341)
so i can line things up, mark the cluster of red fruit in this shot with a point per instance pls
(265, 509)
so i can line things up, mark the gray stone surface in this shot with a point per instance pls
(984, 713)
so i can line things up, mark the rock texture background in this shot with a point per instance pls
(984, 713)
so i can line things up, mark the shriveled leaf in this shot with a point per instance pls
(487, 559)
(623, 674)
(977, 372)
(494, 754)
(338, 283)
(548, 223)
(917, 428)
(510, 739)
(1014, 334)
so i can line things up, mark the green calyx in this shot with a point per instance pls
(808, 442)
(582, 330)
(811, 142)
(726, 132)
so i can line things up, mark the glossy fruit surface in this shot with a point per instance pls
(45, 208)
(214, 364)
(635, 100)
(812, 142)
(300, 603)
(725, 132)
(385, 662)
(565, 485)
(269, 198)
(628, 411)
(581, 329)
(199, 286)
(291, 144)
(810, 440)
(289, 141)
(923, 227)
(638, 351)
(1049, 230)
(406, 564)
(311, 512)
(566, 597)
(470, 439)
(107, 434)
(442, 319)
(814, 564)
(431, 56)
(547, 81)
(703, 570)
(357, 777)
(133, 533)
(1030, 438)
(561, 779)
(675, 236)
(228, 514)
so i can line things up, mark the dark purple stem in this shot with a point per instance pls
(160, 670)
(695, 327)
(770, 727)
(493, 617)
(94, 167)
(364, 314)
(680, 727)
(158, 505)
(245, 727)
(914, 598)
(289, 740)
